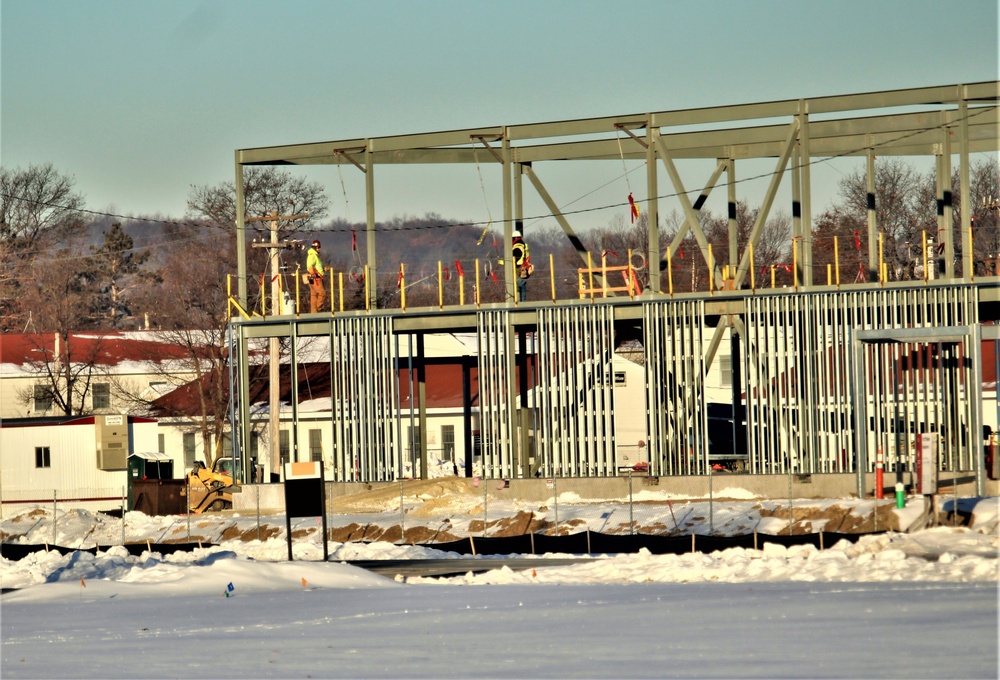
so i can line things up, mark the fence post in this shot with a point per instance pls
(402, 514)
(486, 502)
(555, 494)
(257, 488)
(55, 507)
(631, 512)
(123, 516)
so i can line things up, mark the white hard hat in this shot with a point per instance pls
(517, 234)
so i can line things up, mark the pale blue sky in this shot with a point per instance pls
(140, 100)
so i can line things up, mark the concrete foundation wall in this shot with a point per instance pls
(271, 497)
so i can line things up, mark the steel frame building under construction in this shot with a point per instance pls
(826, 378)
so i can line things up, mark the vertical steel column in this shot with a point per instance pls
(965, 205)
(947, 226)
(805, 158)
(241, 236)
(653, 256)
(873, 273)
(734, 240)
(510, 275)
(372, 274)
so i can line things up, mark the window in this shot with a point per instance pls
(102, 396)
(42, 398)
(284, 448)
(43, 458)
(414, 442)
(316, 446)
(161, 443)
(726, 369)
(448, 442)
(189, 449)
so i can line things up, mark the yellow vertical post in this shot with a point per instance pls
(402, 286)
(478, 298)
(711, 271)
(604, 273)
(298, 280)
(971, 259)
(630, 282)
(829, 274)
(340, 283)
(670, 274)
(923, 238)
(881, 262)
(552, 276)
(263, 298)
(772, 276)
(368, 303)
(461, 286)
(440, 287)
(836, 259)
(590, 274)
(795, 264)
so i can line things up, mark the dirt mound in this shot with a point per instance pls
(836, 519)
(441, 491)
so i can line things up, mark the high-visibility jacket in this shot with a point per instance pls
(313, 264)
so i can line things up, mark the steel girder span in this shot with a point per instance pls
(937, 122)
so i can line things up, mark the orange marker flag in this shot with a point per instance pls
(303, 581)
(83, 583)
(634, 207)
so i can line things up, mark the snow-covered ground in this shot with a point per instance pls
(914, 605)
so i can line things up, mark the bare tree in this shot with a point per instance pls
(265, 189)
(907, 206)
(773, 247)
(38, 209)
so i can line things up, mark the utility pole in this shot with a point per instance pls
(274, 372)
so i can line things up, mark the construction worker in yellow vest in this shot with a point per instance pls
(522, 265)
(317, 290)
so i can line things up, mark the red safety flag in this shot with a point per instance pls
(634, 208)
(680, 252)
(354, 241)
(493, 275)
(857, 240)
(446, 273)
(399, 282)
(458, 268)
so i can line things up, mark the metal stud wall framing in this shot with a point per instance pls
(498, 442)
(802, 395)
(677, 409)
(576, 392)
(363, 383)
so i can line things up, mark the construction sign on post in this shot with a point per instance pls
(305, 496)
(927, 463)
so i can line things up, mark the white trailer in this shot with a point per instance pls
(76, 462)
